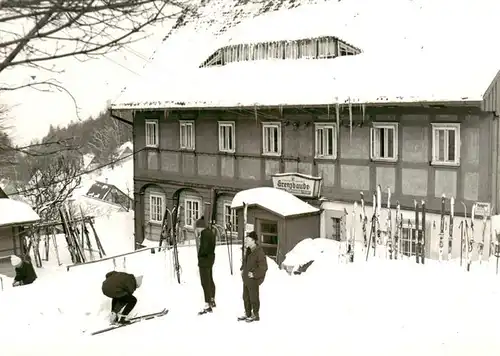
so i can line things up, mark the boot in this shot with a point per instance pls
(243, 317)
(254, 317)
(123, 321)
(212, 303)
(207, 309)
(113, 318)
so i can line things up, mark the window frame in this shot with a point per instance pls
(321, 126)
(384, 125)
(162, 208)
(434, 149)
(156, 136)
(200, 211)
(222, 124)
(276, 125)
(233, 215)
(185, 123)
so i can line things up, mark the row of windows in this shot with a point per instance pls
(192, 211)
(325, 47)
(383, 140)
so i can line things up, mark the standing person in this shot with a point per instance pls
(120, 287)
(206, 259)
(25, 273)
(253, 271)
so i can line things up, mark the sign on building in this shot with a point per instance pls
(301, 185)
(482, 209)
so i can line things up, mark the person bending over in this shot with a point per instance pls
(120, 287)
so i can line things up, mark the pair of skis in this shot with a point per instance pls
(168, 237)
(133, 320)
(420, 237)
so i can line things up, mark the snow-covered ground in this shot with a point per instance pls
(379, 307)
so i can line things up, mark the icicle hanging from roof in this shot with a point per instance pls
(337, 114)
(363, 111)
(328, 112)
(350, 120)
(255, 113)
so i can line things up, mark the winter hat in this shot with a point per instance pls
(15, 261)
(200, 223)
(138, 281)
(253, 235)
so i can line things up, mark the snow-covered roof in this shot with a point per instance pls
(272, 199)
(402, 60)
(14, 212)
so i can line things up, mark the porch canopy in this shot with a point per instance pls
(273, 200)
(14, 212)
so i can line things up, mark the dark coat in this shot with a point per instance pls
(255, 261)
(118, 284)
(206, 252)
(25, 273)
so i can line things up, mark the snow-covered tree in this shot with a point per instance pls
(53, 181)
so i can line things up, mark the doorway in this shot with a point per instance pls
(269, 237)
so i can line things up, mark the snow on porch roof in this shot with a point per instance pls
(403, 60)
(275, 200)
(13, 212)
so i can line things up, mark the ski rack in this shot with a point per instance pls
(151, 249)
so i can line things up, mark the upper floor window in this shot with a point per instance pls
(187, 135)
(446, 144)
(271, 138)
(156, 208)
(152, 133)
(226, 136)
(325, 140)
(384, 141)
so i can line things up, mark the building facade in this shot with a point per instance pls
(414, 116)
(192, 157)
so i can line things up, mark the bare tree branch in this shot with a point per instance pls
(53, 182)
(72, 28)
(45, 86)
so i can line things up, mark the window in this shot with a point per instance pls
(192, 211)
(336, 229)
(271, 139)
(156, 209)
(226, 136)
(325, 141)
(408, 240)
(151, 133)
(291, 50)
(308, 48)
(446, 144)
(230, 218)
(384, 142)
(187, 137)
(327, 48)
(269, 238)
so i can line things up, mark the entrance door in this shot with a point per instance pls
(269, 237)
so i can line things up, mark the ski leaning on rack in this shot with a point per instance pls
(133, 320)
(450, 228)
(364, 222)
(389, 241)
(352, 236)
(470, 240)
(441, 229)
